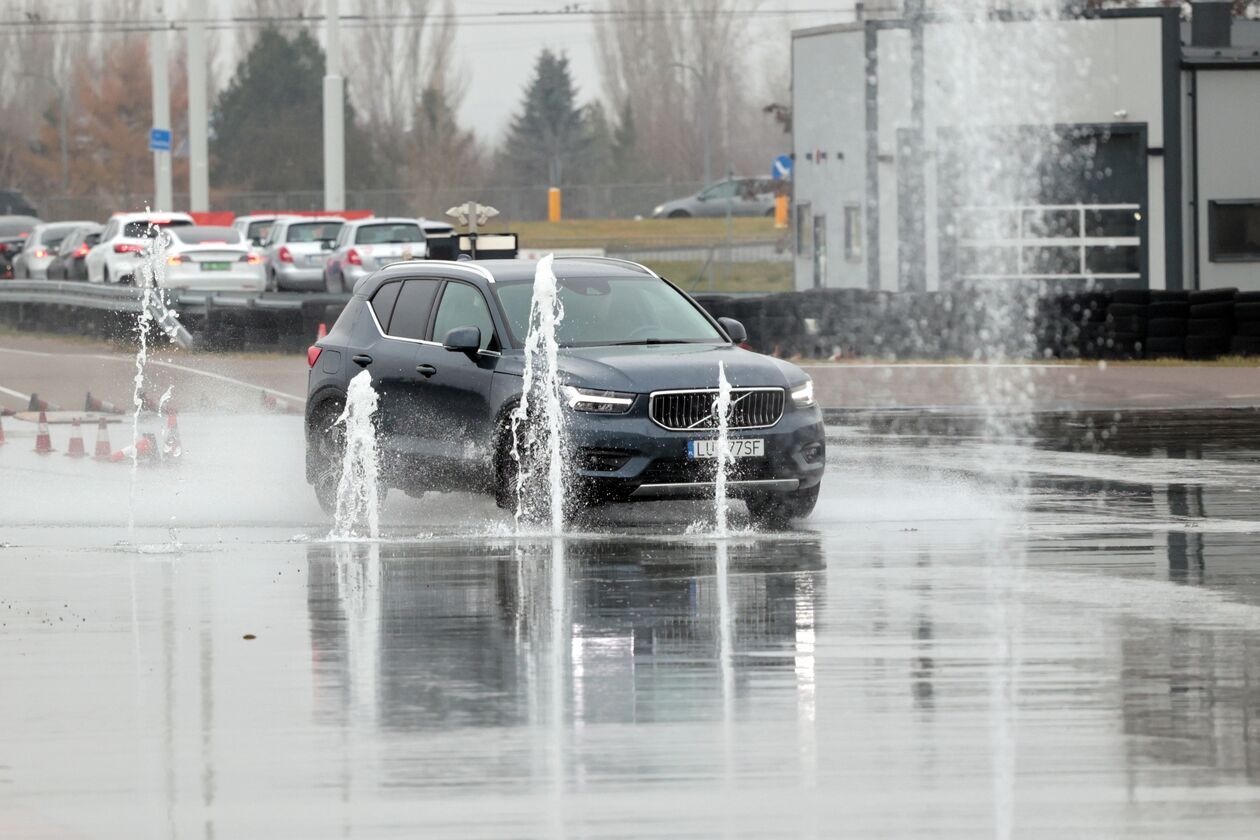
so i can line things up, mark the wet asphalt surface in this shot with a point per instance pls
(1047, 635)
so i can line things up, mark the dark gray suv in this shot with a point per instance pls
(639, 364)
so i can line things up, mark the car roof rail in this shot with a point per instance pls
(643, 269)
(465, 266)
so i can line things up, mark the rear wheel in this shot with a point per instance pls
(679, 214)
(777, 510)
(326, 443)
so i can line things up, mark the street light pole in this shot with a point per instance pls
(159, 65)
(198, 119)
(702, 80)
(334, 114)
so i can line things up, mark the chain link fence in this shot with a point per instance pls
(523, 204)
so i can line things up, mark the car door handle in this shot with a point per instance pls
(362, 359)
(426, 370)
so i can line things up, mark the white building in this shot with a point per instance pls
(1121, 148)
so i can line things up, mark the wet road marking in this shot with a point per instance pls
(220, 377)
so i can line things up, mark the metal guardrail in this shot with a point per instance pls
(129, 298)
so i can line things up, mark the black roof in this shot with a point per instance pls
(505, 271)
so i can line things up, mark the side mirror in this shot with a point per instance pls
(734, 329)
(463, 340)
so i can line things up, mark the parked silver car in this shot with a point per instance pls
(296, 251)
(747, 197)
(41, 246)
(69, 263)
(364, 245)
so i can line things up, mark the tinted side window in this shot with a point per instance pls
(383, 303)
(411, 312)
(463, 306)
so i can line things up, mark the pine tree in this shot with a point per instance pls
(266, 129)
(549, 141)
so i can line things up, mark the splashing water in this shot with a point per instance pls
(150, 276)
(722, 410)
(539, 413)
(358, 502)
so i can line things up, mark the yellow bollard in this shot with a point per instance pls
(780, 211)
(553, 204)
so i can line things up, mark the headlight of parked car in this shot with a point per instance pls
(658, 209)
(803, 395)
(597, 402)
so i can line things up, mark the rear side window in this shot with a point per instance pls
(388, 234)
(411, 312)
(259, 230)
(383, 302)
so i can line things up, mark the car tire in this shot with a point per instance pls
(326, 444)
(776, 511)
(271, 284)
(105, 275)
(679, 214)
(505, 497)
(332, 285)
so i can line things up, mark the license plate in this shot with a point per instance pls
(740, 448)
(216, 266)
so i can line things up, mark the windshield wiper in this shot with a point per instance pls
(650, 341)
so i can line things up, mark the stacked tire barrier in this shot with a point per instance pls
(991, 322)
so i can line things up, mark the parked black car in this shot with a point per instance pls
(69, 263)
(639, 361)
(13, 233)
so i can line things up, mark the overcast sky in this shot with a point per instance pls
(498, 57)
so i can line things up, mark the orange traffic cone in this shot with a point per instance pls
(36, 404)
(91, 403)
(43, 441)
(141, 450)
(322, 331)
(103, 451)
(170, 441)
(76, 449)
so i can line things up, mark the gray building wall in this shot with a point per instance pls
(828, 84)
(1228, 128)
(1093, 72)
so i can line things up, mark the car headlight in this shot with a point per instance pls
(803, 395)
(597, 402)
(658, 209)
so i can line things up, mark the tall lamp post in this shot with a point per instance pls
(702, 80)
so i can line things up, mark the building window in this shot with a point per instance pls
(804, 230)
(853, 233)
(1234, 231)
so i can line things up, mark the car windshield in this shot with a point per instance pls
(612, 310)
(208, 235)
(389, 234)
(314, 231)
(143, 229)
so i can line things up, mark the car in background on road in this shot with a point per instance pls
(68, 263)
(13, 233)
(364, 245)
(40, 247)
(257, 227)
(639, 362)
(296, 250)
(745, 197)
(120, 253)
(209, 258)
(13, 203)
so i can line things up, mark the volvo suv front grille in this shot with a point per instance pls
(751, 408)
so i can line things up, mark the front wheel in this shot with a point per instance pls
(776, 511)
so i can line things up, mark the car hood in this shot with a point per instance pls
(666, 367)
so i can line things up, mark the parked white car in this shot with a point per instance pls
(40, 247)
(296, 250)
(365, 245)
(257, 228)
(120, 253)
(209, 259)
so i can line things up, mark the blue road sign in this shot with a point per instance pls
(781, 167)
(159, 140)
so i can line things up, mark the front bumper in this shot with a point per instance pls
(630, 458)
